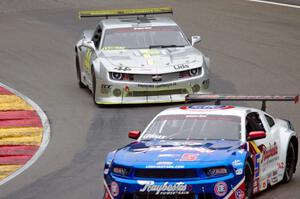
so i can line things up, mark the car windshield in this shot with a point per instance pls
(194, 127)
(142, 38)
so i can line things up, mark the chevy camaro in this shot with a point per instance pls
(136, 57)
(204, 151)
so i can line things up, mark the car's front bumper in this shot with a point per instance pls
(114, 92)
(229, 186)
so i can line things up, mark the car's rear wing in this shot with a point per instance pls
(125, 12)
(219, 98)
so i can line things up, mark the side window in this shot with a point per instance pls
(270, 120)
(254, 123)
(97, 36)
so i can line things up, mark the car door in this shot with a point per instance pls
(271, 156)
(266, 148)
(88, 54)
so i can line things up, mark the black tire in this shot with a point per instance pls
(248, 180)
(78, 71)
(290, 163)
(94, 85)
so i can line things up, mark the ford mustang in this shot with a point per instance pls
(136, 57)
(204, 151)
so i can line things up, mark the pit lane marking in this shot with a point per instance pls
(275, 3)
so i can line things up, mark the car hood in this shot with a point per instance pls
(156, 153)
(154, 61)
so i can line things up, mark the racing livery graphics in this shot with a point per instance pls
(204, 151)
(139, 59)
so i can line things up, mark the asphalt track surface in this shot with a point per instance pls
(254, 49)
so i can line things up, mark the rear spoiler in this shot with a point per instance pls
(219, 98)
(125, 12)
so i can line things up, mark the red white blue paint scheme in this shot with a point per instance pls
(204, 151)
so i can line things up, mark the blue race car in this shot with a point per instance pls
(209, 151)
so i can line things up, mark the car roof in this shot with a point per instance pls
(209, 109)
(134, 21)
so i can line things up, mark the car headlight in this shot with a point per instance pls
(190, 73)
(116, 76)
(120, 170)
(194, 71)
(121, 76)
(217, 171)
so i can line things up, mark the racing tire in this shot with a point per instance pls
(290, 163)
(248, 181)
(78, 71)
(94, 85)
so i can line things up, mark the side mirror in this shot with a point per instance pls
(256, 135)
(89, 44)
(195, 40)
(134, 134)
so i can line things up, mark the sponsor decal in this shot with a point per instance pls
(237, 163)
(176, 149)
(87, 60)
(168, 155)
(264, 184)
(114, 189)
(156, 85)
(189, 157)
(181, 66)
(105, 89)
(280, 165)
(167, 189)
(164, 163)
(123, 68)
(256, 165)
(239, 194)
(221, 189)
(164, 166)
(274, 179)
(267, 154)
(207, 107)
(255, 185)
(239, 171)
(154, 136)
(105, 86)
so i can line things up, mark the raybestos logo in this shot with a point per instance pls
(167, 189)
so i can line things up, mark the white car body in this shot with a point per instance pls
(270, 166)
(155, 73)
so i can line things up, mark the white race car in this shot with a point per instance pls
(137, 57)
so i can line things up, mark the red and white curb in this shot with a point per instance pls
(35, 150)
